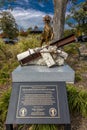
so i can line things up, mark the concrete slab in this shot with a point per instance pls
(35, 73)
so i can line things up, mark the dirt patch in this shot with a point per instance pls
(78, 122)
(3, 88)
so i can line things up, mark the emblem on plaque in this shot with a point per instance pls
(23, 112)
(53, 112)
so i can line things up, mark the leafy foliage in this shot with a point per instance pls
(38, 127)
(68, 32)
(24, 34)
(78, 18)
(7, 61)
(44, 127)
(8, 53)
(70, 49)
(77, 100)
(31, 41)
(2, 2)
(4, 101)
(78, 77)
(8, 25)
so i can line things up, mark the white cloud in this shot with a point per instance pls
(28, 18)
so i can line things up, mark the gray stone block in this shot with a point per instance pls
(36, 73)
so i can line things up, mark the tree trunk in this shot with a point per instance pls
(59, 18)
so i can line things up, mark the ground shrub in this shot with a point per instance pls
(71, 49)
(4, 102)
(77, 100)
(78, 77)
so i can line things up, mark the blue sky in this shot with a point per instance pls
(29, 13)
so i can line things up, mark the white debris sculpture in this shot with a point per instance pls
(49, 56)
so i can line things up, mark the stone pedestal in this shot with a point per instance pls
(35, 73)
(39, 96)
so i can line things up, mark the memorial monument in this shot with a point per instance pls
(39, 86)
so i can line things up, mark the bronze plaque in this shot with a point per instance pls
(38, 101)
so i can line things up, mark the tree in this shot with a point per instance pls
(59, 18)
(29, 29)
(2, 2)
(85, 6)
(79, 18)
(36, 28)
(8, 25)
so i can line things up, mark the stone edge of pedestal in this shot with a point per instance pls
(20, 76)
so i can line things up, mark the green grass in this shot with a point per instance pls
(71, 48)
(44, 127)
(4, 102)
(77, 100)
(8, 55)
(38, 127)
(78, 77)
